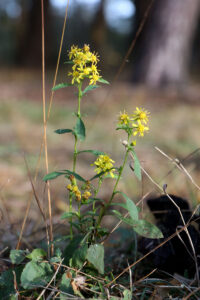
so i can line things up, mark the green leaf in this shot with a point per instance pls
(103, 81)
(95, 255)
(97, 176)
(37, 254)
(53, 175)
(125, 220)
(142, 227)
(130, 206)
(79, 129)
(62, 131)
(61, 86)
(89, 88)
(79, 256)
(137, 168)
(127, 295)
(95, 152)
(65, 287)
(17, 256)
(36, 274)
(77, 176)
(146, 229)
(71, 247)
(67, 215)
(7, 290)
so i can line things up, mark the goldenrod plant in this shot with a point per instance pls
(78, 267)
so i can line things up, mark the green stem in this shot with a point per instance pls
(103, 210)
(78, 115)
(70, 210)
(75, 154)
(97, 191)
(79, 99)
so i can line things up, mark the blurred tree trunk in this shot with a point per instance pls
(167, 41)
(29, 41)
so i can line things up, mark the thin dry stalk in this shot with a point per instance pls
(180, 166)
(192, 294)
(146, 276)
(45, 129)
(58, 60)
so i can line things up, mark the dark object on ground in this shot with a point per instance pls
(173, 257)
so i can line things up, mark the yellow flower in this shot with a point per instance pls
(94, 58)
(141, 115)
(84, 65)
(139, 128)
(133, 143)
(73, 52)
(69, 187)
(86, 195)
(86, 48)
(76, 76)
(104, 164)
(124, 118)
(94, 78)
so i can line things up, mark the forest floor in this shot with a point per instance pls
(174, 128)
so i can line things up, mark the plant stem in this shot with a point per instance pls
(70, 210)
(103, 210)
(79, 99)
(97, 191)
(75, 154)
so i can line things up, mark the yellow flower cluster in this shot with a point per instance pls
(73, 188)
(104, 164)
(139, 119)
(84, 65)
(75, 191)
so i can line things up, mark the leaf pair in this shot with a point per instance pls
(140, 226)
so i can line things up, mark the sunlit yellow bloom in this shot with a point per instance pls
(104, 164)
(86, 195)
(124, 118)
(84, 71)
(94, 78)
(76, 76)
(94, 58)
(94, 69)
(69, 187)
(139, 128)
(86, 48)
(73, 52)
(84, 65)
(133, 143)
(141, 115)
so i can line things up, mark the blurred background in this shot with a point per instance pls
(160, 73)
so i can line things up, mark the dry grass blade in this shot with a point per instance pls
(45, 128)
(192, 294)
(146, 276)
(180, 166)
